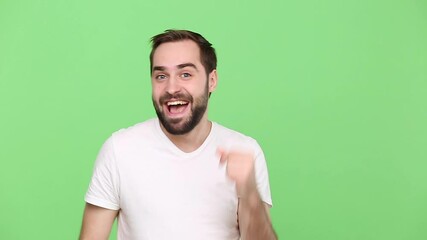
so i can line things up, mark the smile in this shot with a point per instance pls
(176, 107)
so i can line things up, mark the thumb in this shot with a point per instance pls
(222, 155)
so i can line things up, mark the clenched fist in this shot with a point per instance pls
(240, 165)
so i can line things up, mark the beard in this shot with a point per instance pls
(182, 126)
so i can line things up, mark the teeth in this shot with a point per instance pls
(174, 103)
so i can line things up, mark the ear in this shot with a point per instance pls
(213, 80)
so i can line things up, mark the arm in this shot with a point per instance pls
(97, 222)
(253, 213)
(254, 219)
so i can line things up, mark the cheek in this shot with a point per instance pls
(199, 89)
(155, 92)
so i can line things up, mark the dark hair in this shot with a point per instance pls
(207, 52)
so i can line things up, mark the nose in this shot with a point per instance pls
(172, 86)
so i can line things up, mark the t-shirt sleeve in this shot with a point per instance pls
(261, 175)
(104, 186)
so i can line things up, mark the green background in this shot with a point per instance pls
(334, 91)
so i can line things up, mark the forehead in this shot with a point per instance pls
(171, 54)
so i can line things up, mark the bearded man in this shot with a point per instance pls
(180, 175)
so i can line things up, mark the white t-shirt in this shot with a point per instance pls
(162, 192)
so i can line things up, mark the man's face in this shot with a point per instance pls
(180, 86)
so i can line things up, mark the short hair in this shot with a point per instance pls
(207, 52)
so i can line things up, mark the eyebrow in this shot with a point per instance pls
(158, 68)
(179, 66)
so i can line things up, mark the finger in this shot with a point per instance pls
(220, 151)
(222, 155)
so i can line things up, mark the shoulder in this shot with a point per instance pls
(136, 133)
(232, 137)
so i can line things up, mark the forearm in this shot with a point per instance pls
(254, 220)
(253, 215)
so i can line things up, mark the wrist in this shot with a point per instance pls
(251, 198)
(247, 188)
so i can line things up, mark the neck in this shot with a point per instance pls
(192, 140)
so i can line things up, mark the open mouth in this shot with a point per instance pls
(176, 106)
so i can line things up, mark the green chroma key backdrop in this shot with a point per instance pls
(334, 91)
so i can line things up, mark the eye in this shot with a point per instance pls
(160, 77)
(185, 75)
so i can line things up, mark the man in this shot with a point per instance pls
(180, 176)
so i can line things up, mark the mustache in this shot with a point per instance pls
(179, 96)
